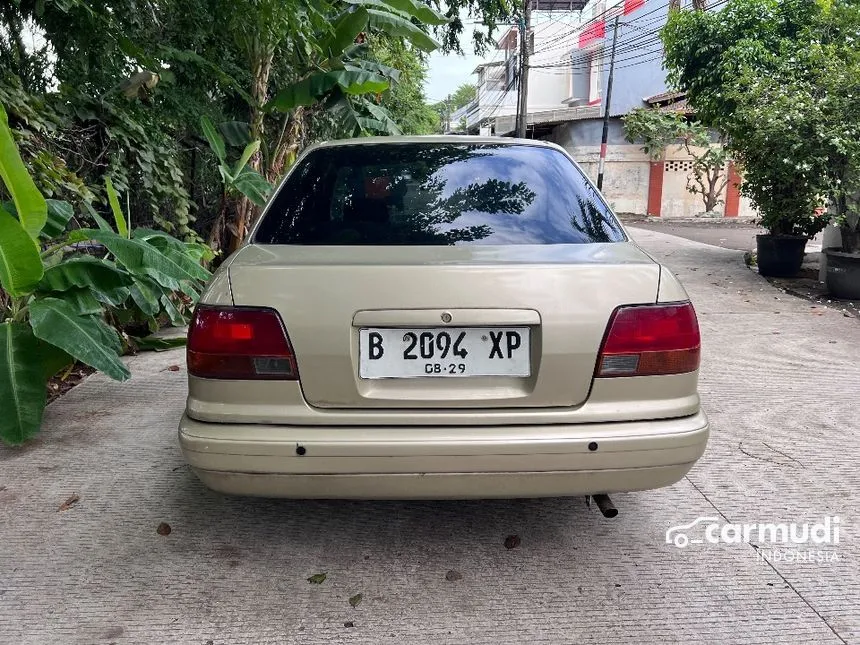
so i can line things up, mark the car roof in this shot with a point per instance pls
(450, 138)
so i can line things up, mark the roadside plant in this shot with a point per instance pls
(782, 134)
(655, 129)
(239, 179)
(839, 83)
(758, 71)
(332, 74)
(658, 129)
(64, 293)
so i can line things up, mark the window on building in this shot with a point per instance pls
(511, 72)
(586, 75)
(595, 64)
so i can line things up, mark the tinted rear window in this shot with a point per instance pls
(437, 194)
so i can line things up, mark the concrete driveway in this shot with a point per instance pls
(779, 380)
(738, 234)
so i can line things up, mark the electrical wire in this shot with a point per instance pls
(648, 38)
(638, 24)
(597, 19)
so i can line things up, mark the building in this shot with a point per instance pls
(552, 34)
(568, 79)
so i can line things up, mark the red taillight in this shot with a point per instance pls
(239, 343)
(649, 340)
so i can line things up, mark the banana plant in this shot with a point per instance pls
(240, 177)
(56, 301)
(343, 80)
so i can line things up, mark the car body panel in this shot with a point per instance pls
(671, 290)
(319, 291)
(276, 402)
(390, 462)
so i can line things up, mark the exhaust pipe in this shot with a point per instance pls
(605, 505)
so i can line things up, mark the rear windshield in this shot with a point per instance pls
(437, 194)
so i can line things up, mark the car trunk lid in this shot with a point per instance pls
(558, 297)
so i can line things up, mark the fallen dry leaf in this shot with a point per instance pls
(512, 541)
(317, 578)
(355, 601)
(173, 368)
(453, 576)
(163, 529)
(349, 623)
(73, 499)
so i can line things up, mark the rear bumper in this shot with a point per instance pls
(442, 462)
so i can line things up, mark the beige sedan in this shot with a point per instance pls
(441, 317)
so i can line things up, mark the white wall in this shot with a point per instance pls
(626, 180)
(549, 87)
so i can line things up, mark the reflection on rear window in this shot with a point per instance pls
(437, 194)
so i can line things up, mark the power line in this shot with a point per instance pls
(636, 23)
(646, 39)
(597, 19)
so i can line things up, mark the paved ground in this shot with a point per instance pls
(779, 381)
(728, 234)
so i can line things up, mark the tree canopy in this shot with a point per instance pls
(780, 78)
(118, 87)
(463, 95)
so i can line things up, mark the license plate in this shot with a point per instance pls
(444, 352)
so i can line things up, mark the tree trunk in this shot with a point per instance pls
(712, 199)
(261, 68)
(216, 235)
(289, 144)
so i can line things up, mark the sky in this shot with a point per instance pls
(447, 72)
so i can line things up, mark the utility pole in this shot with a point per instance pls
(605, 136)
(523, 96)
(447, 114)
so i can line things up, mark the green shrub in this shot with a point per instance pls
(60, 302)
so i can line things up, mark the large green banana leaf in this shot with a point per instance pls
(59, 214)
(29, 203)
(86, 338)
(411, 8)
(107, 281)
(20, 264)
(141, 258)
(394, 25)
(22, 383)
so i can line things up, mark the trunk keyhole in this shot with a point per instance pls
(592, 446)
(301, 450)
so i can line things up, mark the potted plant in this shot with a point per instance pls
(840, 86)
(842, 273)
(780, 134)
(781, 80)
(780, 251)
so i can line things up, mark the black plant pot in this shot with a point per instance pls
(780, 256)
(843, 274)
